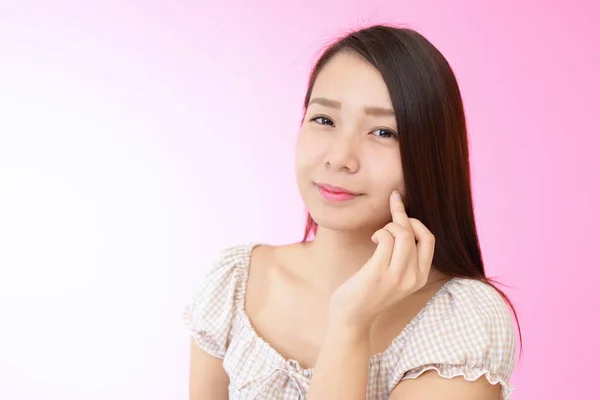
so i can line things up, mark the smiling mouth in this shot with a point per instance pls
(336, 194)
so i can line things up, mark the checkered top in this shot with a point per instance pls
(466, 330)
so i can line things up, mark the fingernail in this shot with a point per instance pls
(396, 194)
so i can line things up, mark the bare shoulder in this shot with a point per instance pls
(269, 262)
(261, 265)
(271, 268)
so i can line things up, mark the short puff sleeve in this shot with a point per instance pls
(468, 331)
(210, 314)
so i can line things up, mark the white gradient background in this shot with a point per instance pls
(139, 138)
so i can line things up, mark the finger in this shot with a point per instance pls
(398, 211)
(425, 246)
(385, 246)
(405, 250)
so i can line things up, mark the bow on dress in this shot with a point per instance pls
(291, 371)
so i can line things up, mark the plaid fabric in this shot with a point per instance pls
(466, 330)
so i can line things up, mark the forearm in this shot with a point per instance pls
(342, 367)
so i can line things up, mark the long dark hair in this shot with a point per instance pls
(433, 141)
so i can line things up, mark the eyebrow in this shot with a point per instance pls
(373, 111)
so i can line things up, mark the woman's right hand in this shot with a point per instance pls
(399, 267)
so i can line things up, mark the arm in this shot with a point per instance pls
(431, 386)
(399, 267)
(342, 367)
(208, 379)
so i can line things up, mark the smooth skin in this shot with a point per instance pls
(335, 301)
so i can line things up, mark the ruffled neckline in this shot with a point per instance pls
(397, 343)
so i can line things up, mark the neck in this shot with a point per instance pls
(334, 256)
(337, 255)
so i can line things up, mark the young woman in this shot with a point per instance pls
(386, 296)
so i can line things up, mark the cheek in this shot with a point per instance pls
(386, 173)
(301, 156)
(308, 152)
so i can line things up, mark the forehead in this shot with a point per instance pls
(348, 78)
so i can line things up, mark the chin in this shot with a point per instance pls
(337, 224)
(341, 219)
(357, 217)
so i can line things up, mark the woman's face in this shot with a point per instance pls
(348, 140)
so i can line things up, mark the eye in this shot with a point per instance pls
(322, 121)
(385, 133)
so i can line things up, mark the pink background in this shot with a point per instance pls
(137, 140)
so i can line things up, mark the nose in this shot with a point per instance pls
(342, 153)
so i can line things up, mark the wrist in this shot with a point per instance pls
(354, 323)
(352, 334)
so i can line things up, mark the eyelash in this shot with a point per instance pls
(392, 133)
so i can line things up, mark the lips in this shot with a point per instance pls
(336, 194)
(335, 189)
